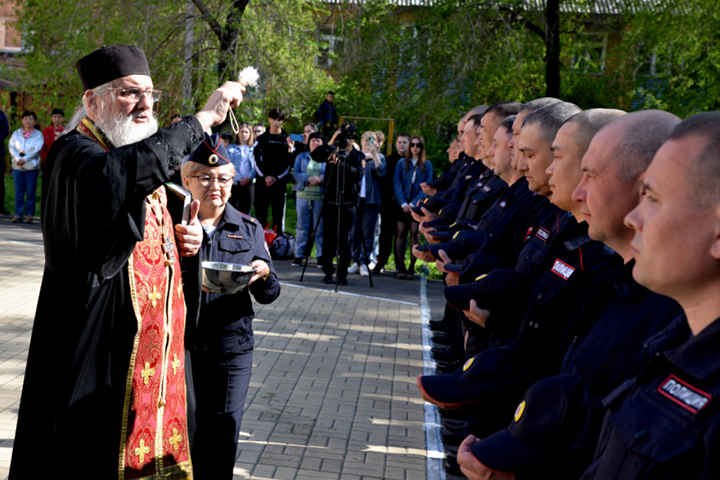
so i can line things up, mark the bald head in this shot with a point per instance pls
(590, 122)
(640, 135)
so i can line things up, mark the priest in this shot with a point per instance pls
(105, 393)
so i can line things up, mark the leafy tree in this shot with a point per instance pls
(276, 36)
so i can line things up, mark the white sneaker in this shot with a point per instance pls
(372, 265)
(354, 268)
(364, 270)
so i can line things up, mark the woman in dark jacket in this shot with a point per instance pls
(222, 343)
(410, 172)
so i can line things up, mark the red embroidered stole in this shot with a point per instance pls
(154, 436)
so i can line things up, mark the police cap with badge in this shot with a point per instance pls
(211, 152)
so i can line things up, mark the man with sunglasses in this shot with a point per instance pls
(104, 388)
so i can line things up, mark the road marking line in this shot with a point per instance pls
(435, 448)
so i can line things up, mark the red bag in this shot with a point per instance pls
(270, 234)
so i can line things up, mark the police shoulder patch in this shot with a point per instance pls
(682, 393)
(543, 234)
(487, 188)
(520, 410)
(562, 269)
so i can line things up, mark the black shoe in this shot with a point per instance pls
(328, 279)
(454, 438)
(451, 467)
(319, 262)
(342, 282)
(438, 326)
(443, 366)
(460, 415)
(454, 425)
(444, 352)
(378, 267)
(441, 338)
(297, 262)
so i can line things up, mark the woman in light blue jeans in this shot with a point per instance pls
(25, 146)
(309, 176)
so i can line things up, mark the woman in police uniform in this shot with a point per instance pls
(222, 342)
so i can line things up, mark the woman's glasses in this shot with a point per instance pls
(416, 145)
(206, 180)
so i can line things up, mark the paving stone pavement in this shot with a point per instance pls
(332, 394)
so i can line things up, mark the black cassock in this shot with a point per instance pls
(93, 213)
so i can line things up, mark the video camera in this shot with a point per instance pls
(348, 132)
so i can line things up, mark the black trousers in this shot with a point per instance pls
(221, 383)
(242, 197)
(275, 196)
(330, 238)
(388, 231)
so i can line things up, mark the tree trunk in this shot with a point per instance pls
(552, 48)
(187, 100)
(227, 66)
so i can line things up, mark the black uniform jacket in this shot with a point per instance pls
(665, 423)
(93, 213)
(225, 324)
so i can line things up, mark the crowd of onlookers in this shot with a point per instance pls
(380, 223)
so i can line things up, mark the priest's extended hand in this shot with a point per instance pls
(189, 237)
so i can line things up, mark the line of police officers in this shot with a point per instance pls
(582, 256)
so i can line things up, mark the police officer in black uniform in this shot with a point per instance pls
(221, 343)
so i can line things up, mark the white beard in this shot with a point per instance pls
(121, 130)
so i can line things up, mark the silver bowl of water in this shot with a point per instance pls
(221, 277)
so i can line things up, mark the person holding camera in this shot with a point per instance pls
(342, 186)
(25, 146)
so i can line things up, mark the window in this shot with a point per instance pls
(328, 45)
(589, 54)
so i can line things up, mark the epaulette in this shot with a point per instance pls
(248, 218)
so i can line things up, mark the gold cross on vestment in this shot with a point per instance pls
(142, 450)
(154, 296)
(175, 439)
(147, 372)
(175, 363)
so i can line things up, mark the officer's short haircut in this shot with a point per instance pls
(507, 124)
(276, 114)
(504, 109)
(481, 109)
(705, 168)
(589, 122)
(476, 119)
(550, 118)
(404, 134)
(538, 103)
(642, 135)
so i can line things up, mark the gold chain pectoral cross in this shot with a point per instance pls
(147, 372)
(142, 450)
